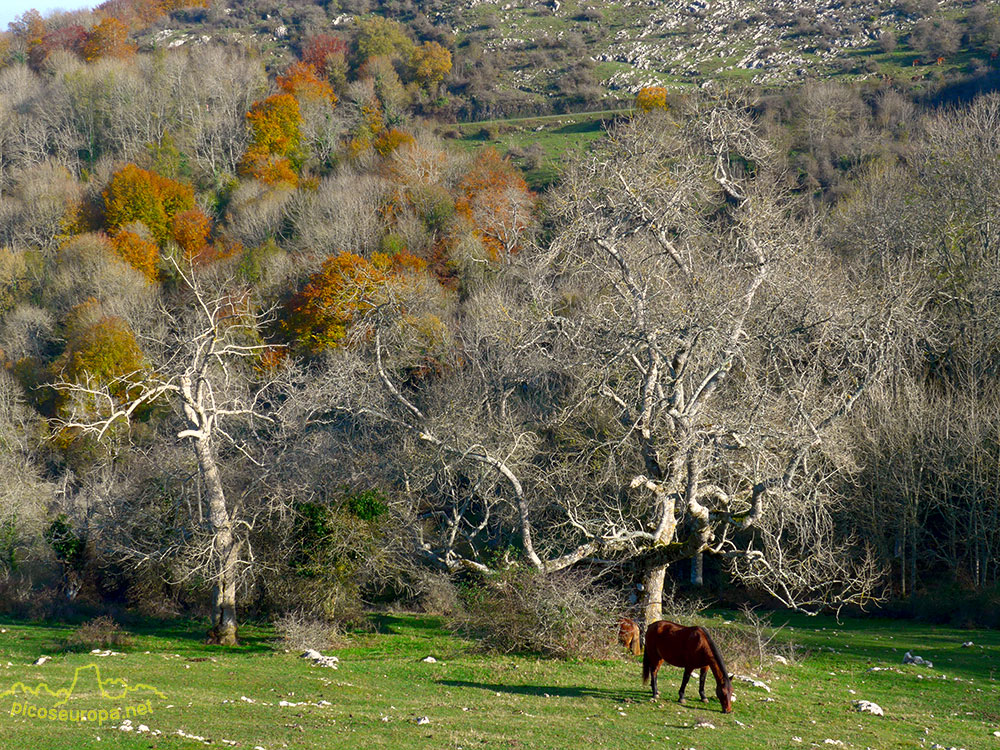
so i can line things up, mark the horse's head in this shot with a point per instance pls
(724, 692)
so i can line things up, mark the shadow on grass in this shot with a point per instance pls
(618, 695)
(587, 126)
(414, 625)
(184, 636)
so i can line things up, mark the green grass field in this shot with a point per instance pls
(558, 137)
(383, 691)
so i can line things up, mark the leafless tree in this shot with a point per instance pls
(726, 348)
(928, 438)
(666, 379)
(201, 365)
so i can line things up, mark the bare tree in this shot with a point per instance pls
(727, 349)
(201, 364)
(667, 378)
(928, 439)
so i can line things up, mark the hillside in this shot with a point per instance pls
(527, 58)
(309, 309)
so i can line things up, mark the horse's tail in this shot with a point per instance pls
(647, 662)
(717, 655)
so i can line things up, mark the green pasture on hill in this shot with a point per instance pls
(558, 136)
(384, 695)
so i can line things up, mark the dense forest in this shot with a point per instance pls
(270, 341)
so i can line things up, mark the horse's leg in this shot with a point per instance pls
(656, 693)
(684, 683)
(701, 684)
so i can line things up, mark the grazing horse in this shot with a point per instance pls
(689, 648)
(628, 635)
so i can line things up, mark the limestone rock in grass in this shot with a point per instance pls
(40, 661)
(194, 737)
(909, 658)
(704, 725)
(423, 720)
(967, 644)
(867, 707)
(319, 660)
(429, 659)
(751, 681)
(839, 743)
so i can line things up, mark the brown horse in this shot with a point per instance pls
(628, 635)
(689, 648)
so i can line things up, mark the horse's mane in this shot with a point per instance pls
(718, 656)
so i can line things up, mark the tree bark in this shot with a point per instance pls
(698, 569)
(225, 549)
(653, 583)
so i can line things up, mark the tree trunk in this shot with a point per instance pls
(698, 569)
(225, 554)
(223, 630)
(653, 584)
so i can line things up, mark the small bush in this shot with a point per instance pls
(564, 615)
(749, 645)
(681, 609)
(297, 631)
(101, 632)
(437, 594)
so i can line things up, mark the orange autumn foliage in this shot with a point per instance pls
(275, 138)
(269, 169)
(345, 288)
(136, 194)
(140, 253)
(495, 199)
(275, 125)
(398, 263)
(109, 38)
(141, 13)
(300, 81)
(650, 98)
(323, 50)
(389, 140)
(272, 358)
(190, 231)
(431, 63)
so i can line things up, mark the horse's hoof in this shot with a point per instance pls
(704, 700)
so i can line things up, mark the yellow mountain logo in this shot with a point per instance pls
(87, 685)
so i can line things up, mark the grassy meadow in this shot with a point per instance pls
(384, 695)
(556, 137)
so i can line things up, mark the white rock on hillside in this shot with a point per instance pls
(909, 658)
(867, 707)
(319, 660)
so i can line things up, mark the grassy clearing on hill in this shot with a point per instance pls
(557, 137)
(383, 688)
